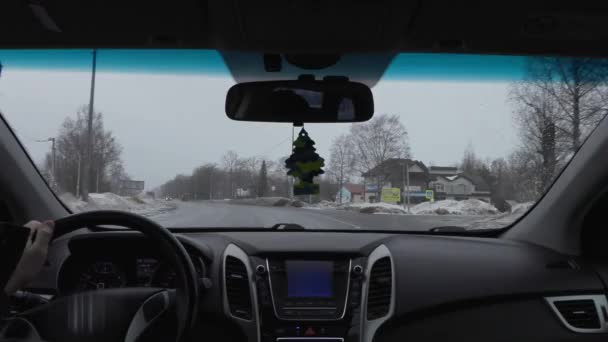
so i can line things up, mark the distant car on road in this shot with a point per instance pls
(168, 198)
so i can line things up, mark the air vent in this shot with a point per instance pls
(237, 288)
(380, 289)
(580, 314)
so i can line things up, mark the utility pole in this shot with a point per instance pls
(78, 176)
(88, 167)
(290, 180)
(97, 181)
(210, 184)
(53, 161)
(403, 183)
(407, 175)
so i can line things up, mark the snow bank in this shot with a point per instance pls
(452, 207)
(374, 208)
(269, 202)
(323, 205)
(75, 204)
(521, 208)
(504, 219)
(142, 205)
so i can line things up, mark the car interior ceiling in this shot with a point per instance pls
(515, 27)
(525, 284)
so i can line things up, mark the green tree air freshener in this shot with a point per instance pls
(304, 164)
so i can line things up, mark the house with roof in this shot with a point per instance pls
(448, 182)
(460, 187)
(393, 173)
(435, 171)
(350, 193)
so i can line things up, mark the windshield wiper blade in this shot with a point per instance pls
(447, 229)
(463, 231)
(287, 226)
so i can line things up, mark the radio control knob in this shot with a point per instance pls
(357, 271)
(260, 270)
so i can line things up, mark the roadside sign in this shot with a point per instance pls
(371, 188)
(430, 195)
(391, 195)
(129, 184)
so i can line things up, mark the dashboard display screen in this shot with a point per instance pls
(146, 267)
(309, 279)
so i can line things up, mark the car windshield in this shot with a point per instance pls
(456, 140)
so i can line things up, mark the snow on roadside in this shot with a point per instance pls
(324, 204)
(502, 220)
(374, 208)
(142, 205)
(269, 202)
(471, 207)
(452, 207)
(521, 208)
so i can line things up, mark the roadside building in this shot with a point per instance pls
(460, 187)
(445, 171)
(393, 173)
(350, 193)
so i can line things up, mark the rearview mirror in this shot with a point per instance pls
(300, 101)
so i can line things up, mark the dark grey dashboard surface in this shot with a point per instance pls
(437, 270)
(430, 270)
(255, 243)
(434, 275)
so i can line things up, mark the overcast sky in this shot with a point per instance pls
(169, 124)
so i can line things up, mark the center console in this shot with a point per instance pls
(309, 298)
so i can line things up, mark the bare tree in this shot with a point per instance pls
(70, 153)
(262, 187)
(278, 176)
(203, 181)
(248, 174)
(470, 163)
(230, 163)
(524, 168)
(576, 88)
(341, 161)
(545, 130)
(378, 140)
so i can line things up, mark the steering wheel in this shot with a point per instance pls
(122, 314)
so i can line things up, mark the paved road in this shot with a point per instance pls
(217, 214)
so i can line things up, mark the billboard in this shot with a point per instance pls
(391, 195)
(132, 185)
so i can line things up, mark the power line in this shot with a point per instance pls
(276, 146)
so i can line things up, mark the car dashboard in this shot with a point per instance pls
(354, 286)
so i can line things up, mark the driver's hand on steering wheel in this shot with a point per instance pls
(33, 257)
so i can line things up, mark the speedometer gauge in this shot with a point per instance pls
(101, 275)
